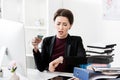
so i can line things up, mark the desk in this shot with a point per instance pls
(7, 74)
(34, 74)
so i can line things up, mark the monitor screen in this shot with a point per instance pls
(13, 38)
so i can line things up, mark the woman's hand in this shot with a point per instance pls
(35, 43)
(55, 63)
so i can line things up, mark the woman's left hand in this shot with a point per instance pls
(55, 63)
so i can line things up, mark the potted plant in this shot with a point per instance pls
(12, 67)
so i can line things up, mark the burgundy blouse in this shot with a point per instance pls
(59, 50)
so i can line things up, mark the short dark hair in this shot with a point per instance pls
(65, 13)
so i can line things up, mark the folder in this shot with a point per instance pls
(84, 74)
(103, 47)
(103, 59)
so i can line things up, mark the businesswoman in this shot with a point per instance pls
(61, 52)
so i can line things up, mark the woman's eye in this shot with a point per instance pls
(64, 24)
(58, 23)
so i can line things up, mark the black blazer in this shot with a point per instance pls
(74, 53)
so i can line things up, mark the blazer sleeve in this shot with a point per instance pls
(37, 59)
(41, 58)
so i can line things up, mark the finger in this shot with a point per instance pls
(38, 39)
(60, 59)
(34, 43)
(55, 65)
(51, 68)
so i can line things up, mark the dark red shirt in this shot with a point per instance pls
(59, 50)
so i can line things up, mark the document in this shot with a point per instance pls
(109, 71)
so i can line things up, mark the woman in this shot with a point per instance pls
(61, 52)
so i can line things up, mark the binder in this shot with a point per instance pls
(103, 56)
(102, 52)
(100, 60)
(84, 74)
(103, 47)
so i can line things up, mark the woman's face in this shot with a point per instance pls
(62, 26)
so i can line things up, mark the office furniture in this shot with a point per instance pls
(33, 14)
(34, 74)
(7, 74)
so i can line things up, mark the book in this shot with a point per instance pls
(109, 71)
(96, 65)
(102, 47)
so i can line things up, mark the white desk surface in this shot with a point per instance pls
(7, 74)
(34, 74)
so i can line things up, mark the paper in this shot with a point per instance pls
(109, 71)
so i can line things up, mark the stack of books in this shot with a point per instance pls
(100, 56)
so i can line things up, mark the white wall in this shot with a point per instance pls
(12, 10)
(53, 5)
(112, 32)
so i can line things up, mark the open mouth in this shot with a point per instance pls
(60, 32)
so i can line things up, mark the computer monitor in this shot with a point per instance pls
(12, 36)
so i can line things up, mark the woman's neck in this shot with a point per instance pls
(62, 37)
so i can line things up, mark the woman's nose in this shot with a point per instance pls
(61, 27)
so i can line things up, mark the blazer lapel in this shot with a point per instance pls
(68, 46)
(51, 45)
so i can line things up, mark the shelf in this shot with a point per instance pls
(29, 55)
(36, 28)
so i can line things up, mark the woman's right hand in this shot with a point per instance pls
(35, 43)
(55, 63)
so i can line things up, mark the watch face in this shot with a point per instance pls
(60, 78)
